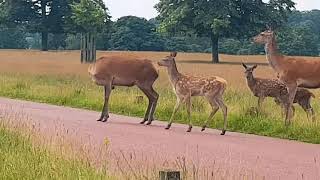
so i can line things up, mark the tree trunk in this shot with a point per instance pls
(44, 41)
(44, 33)
(215, 48)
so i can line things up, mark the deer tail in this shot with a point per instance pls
(91, 69)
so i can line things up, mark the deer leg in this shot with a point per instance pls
(213, 112)
(155, 96)
(105, 111)
(188, 102)
(215, 107)
(225, 113)
(283, 109)
(308, 109)
(293, 110)
(260, 101)
(292, 90)
(176, 108)
(147, 93)
(313, 117)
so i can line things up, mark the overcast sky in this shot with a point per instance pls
(144, 8)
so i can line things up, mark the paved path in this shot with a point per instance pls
(268, 157)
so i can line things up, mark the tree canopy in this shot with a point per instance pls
(44, 16)
(136, 34)
(190, 26)
(89, 15)
(220, 18)
(53, 16)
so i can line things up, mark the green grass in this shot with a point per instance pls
(82, 93)
(19, 159)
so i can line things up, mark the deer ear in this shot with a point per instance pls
(173, 54)
(255, 66)
(272, 33)
(268, 27)
(245, 66)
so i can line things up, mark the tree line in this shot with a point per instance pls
(224, 26)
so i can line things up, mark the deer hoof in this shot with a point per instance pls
(168, 126)
(142, 122)
(149, 122)
(100, 119)
(105, 119)
(189, 129)
(203, 128)
(223, 132)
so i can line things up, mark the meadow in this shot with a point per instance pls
(25, 156)
(59, 78)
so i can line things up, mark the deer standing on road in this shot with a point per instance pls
(122, 71)
(293, 72)
(274, 88)
(186, 86)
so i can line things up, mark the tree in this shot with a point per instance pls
(3, 12)
(44, 16)
(136, 34)
(103, 38)
(220, 18)
(89, 16)
(57, 41)
(298, 40)
(12, 38)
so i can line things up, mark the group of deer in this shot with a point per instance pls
(119, 71)
(293, 73)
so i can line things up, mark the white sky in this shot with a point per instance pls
(144, 8)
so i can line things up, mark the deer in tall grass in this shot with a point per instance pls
(186, 87)
(274, 88)
(294, 72)
(113, 71)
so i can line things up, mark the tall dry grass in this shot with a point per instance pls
(30, 151)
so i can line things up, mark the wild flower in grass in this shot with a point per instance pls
(106, 141)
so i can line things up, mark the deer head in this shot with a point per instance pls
(264, 37)
(169, 60)
(249, 70)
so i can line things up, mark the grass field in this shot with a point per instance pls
(21, 159)
(59, 78)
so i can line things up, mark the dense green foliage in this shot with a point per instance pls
(53, 16)
(12, 38)
(172, 30)
(299, 36)
(222, 18)
(89, 15)
(43, 16)
(135, 34)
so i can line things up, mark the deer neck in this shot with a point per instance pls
(251, 81)
(273, 55)
(173, 73)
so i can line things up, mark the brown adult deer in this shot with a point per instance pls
(186, 86)
(122, 71)
(274, 88)
(294, 72)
